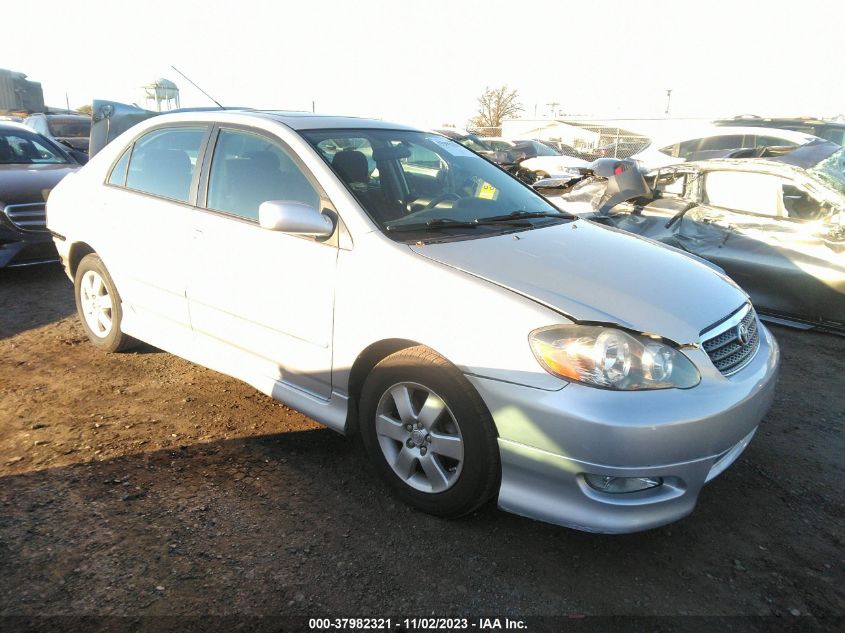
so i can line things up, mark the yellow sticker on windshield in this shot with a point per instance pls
(487, 192)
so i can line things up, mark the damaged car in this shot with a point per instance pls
(532, 160)
(718, 142)
(775, 225)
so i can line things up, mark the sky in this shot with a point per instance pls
(426, 63)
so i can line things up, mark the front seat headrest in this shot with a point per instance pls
(352, 166)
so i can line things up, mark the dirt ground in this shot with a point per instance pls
(141, 484)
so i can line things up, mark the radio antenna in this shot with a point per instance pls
(220, 105)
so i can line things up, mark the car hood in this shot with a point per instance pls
(30, 183)
(598, 274)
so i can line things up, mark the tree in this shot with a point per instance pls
(494, 105)
(85, 109)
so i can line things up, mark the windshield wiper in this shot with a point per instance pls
(517, 218)
(436, 224)
(525, 215)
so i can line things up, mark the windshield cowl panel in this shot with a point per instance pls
(418, 183)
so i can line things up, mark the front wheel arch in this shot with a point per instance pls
(423, 368)
(78, 250)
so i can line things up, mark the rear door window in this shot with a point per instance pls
(118, 172)
(163, 162)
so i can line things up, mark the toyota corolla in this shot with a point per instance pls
(393, 284)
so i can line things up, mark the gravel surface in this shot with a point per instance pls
(141, 484)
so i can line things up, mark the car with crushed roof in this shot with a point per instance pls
(775, 225)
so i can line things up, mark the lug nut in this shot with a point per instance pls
(409, 427)
(409, 443)
(428, 438)
(423, 450)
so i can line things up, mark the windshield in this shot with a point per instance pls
(69, 127)
(534, 148)
(831, 171)
(474, 143)
(18, 147)
(416, 182)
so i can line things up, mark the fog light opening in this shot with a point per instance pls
(621, 485)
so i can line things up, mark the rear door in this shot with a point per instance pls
(144, 218)
(261, 301)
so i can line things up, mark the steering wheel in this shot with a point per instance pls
(441, 198)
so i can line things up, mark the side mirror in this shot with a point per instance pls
(296, 218)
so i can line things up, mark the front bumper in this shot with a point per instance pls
(18, 248)
(548, 440)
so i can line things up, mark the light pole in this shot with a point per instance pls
(668, 99)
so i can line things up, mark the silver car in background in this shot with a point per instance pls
(390, 282)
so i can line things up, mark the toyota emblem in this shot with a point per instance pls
(742, 334)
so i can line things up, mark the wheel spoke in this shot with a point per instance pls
(104, 321)
(86, 289)
(437, 476)
(447, 445)
(431, 410)
(404, 463)
(391, 428)
(97, 285)
(402, 397)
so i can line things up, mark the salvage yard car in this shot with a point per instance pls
(775, 225)
(533, 160)
(716, 142)
(482, 343)
(72, 130)
(30, 166)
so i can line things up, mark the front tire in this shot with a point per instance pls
(99, 306)
(429, 433)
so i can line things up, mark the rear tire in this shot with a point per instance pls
(429, 434)
(99, 306)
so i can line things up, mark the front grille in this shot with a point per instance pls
(28, 217)
(724, 345)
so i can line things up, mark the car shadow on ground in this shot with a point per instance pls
(297, 522)
(33, 296)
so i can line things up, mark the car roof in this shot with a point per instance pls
(706, 132)
(67, 116)
(310, 121)
(14, 126)
(299, 121)
(755, 121)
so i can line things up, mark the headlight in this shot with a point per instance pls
(610, 358)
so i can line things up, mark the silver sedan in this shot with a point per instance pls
(391, 283)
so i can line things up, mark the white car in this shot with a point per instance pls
(715, 142)
(389, 282)
(545, 162)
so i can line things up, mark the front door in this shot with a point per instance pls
(261, 301)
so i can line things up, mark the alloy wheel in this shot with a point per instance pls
(96, 303)
(419, 437)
